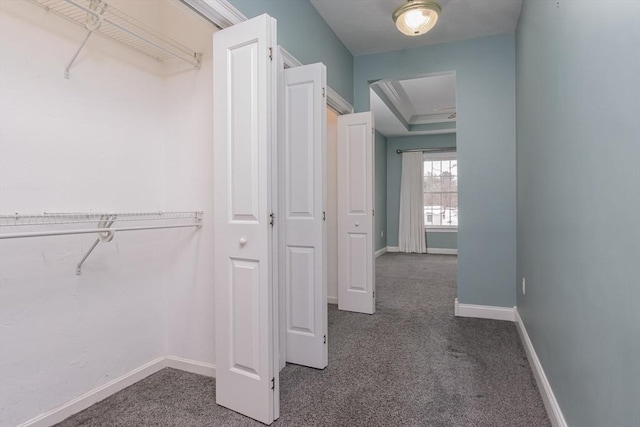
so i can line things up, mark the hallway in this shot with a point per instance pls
(412, 363)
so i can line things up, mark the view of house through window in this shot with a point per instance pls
(440, 190)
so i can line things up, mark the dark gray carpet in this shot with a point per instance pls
(412, 363)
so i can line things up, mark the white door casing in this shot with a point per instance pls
(244, 126)
(332, 206)
(356, 261)
(303, 232)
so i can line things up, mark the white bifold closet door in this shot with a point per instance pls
(303, 194)
(356, 261)
(244, 165)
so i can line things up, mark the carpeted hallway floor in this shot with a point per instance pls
(411, 364)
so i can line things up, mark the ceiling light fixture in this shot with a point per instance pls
(416, 17)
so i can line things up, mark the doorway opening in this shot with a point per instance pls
(418, 114)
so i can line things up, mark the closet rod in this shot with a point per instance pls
(103, 229)
(92, 230)
(427, 150)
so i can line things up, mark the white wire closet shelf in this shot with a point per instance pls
(15, 226)
(102, 18)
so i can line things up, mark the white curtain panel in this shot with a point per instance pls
(411, 236)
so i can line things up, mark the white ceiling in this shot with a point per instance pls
(366, 26)
(402, 107)
(440, 95)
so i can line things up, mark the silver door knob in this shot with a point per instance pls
(357, 223)
(243, 241)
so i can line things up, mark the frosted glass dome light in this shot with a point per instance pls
(416, 17)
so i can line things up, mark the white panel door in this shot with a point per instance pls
(303, 259)
(356, 261)
(244, 101)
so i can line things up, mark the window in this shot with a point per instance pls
(440, 190)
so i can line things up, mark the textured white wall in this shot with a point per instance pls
(123, 134)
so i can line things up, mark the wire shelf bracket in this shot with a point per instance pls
(47, 225)
(97, 16)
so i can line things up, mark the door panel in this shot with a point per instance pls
(357, 169)
(245, 290)
(303, 184)
(358, 246)
(243, 251)
(356, 261)
(300, 295)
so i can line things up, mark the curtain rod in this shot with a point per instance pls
(427, 150)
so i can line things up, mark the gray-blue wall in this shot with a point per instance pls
(578, 154)
(441, 240)
(394, 175)
(485, 101)
(304, 34)
(380, 191)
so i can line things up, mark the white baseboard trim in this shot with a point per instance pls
(442, 251)
(429, 250)
(102, 392)
(484, 311)
(332, 300)
(193, 366)
(549, 399)
(381, 251)
(97, 394)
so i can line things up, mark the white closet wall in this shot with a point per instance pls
(123, 134)
(188, 175)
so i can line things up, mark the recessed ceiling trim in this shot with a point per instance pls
(390, 105)
(429, 132)
(404, 99)
(398, 97)
(431, 118)
(429, 102)
(432, 127)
